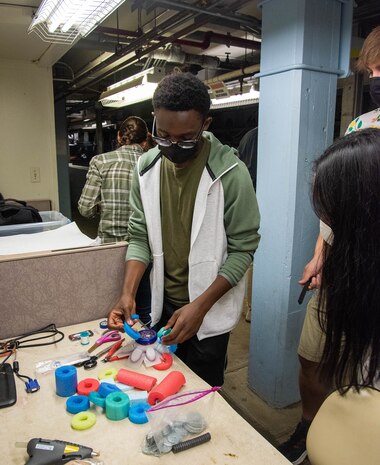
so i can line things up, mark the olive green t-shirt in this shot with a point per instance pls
(178, 191)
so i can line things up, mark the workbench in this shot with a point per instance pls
(43, 414)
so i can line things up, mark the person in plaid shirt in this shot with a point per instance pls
(108, 181)
(107, 192)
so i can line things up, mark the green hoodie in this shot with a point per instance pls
(241, 215)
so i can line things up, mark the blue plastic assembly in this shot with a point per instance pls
(76, 404)
(66, 381)
(117, 406)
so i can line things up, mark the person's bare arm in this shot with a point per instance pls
(313, 268)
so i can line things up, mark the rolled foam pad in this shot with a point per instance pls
(137, 380)
(66, 381)
(117, 406)
(87, 385)
(170, 385)
(76, 404)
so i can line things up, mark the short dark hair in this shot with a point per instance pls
(182, 92)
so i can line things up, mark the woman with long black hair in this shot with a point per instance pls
(346, 196)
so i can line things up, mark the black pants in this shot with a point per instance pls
(207, 358)
(144, 297)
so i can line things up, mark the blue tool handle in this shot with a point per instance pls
(131, 332)
(55, 452)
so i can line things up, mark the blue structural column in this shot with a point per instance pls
(305, 44)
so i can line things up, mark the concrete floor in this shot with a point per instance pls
(275, 425)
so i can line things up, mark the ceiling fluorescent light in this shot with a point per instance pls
(63, 21)
(234, 99)
(134, 89)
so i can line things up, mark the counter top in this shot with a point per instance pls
(43, 414)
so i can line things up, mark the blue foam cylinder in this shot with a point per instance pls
(66, 381)
(76, 404)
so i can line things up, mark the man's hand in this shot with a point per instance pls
(122, 312)
(185, 322)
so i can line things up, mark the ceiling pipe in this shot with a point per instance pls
(234, 74)
(176, 55)
(176, 19)
(246, 20)
(135, 45)
(208, 38)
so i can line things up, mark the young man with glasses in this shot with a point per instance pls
(195, 214)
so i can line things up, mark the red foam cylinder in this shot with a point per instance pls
(170, 385)
(136, 380)
(87, 385)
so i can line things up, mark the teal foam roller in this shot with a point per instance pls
(117, 406)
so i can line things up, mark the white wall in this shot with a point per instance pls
(27, 133)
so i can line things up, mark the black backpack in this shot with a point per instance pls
(17, 212)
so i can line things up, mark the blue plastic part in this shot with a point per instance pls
(163, 332)
(172, 348)
(131, 332)
(97, 399)
(137, 413)
(76, 404)
(117, 406)
(147, 337)
(107, 388)
(103, 324)
(32, 386)
(135, 316)
(66, 381)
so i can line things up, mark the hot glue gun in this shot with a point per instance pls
(55, 452)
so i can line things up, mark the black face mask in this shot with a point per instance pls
(177, 154)
(374, 90)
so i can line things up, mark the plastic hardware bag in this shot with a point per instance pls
(46, 366)
(177, 418)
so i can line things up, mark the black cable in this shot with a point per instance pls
(31, 385)
(20, 341)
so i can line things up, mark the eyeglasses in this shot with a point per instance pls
(183, 144)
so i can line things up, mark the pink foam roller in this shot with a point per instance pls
(170, 385)
(136, 380)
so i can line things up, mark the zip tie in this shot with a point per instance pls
(181, 446)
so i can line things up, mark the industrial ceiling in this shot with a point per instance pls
(211, 36)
